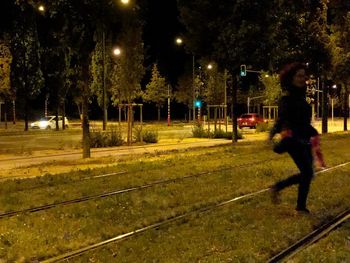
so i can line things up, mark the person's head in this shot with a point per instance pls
(293, 75)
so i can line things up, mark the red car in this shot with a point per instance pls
(250, 120)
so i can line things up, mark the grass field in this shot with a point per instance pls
(250, 230)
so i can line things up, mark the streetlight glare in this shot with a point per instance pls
(210, 66)
(178, 41)
(41, 8)
(117, 51)
(125, 2)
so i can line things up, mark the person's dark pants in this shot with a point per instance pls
(302, 156)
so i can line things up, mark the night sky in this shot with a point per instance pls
(161, 28)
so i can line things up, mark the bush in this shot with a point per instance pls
(150, 136)
(224, 134)
(262, 127)
(199, 132)
(99, 139)
(147, 135)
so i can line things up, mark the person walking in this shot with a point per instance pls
(298, 137)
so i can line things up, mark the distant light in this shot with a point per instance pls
(125, 2)
(41, 8)
(117, 51)
(334, 86)
(267, 75)
(210, 66)
(198, 103)
(179, 41)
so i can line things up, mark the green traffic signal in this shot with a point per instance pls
(198, 103)
(243, 71)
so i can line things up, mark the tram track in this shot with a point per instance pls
(127, 190)
(318, 233)
(311, 238)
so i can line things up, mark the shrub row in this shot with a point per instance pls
(113, 137)
(198, 131)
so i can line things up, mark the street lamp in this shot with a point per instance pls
(117, 51)
(179, 42)
(41, 8)
(104, 93)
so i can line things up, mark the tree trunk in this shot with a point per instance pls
(56, 113)
(158, 113)
(234, 111)
(26, 112)
(14, 112)
(345, 107)
(5, 113)
(63, 116)
(85, 122)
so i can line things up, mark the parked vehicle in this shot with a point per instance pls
(49, 122)
(250, 120)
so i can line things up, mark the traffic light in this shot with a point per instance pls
(198, 103)
(243, 71)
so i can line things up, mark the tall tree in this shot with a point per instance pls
(156, 90)
(261, 34)
(128, 68)
(5, 71)
(183, 94)
(340, 46)
(26, 75)
(214, 88)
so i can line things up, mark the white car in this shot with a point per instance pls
(49, 122)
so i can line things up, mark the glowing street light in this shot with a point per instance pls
(117, 51)
(179, 41)
(210, 66)
(41, 8)
(125, 2)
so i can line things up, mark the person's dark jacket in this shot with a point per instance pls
(295, 115)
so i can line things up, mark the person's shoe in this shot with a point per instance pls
(275, 195)
(303, 210)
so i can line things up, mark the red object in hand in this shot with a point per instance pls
(316, 148)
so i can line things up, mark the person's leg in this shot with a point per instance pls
(302, 157)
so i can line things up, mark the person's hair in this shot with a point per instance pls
(288, 71)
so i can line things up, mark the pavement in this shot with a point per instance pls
(45, 157)
(7, 163)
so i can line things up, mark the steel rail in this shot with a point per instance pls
(149, 227)
(126, 190)
(208, 208)
(311, 238)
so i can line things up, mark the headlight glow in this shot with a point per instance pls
(43, 124)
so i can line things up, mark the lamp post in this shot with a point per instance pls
(179, 42)
(104, 70)
(168, 105)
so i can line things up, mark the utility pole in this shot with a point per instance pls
(104, 100)
(249, 99)
(324, 108)
(225, 98)
(193, 91)
(168, 105)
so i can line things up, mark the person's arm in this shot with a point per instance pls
(282, 121)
